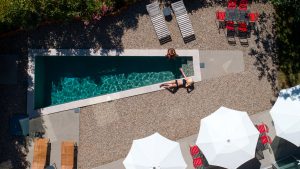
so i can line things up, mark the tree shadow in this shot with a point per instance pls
(13, 101)
(251, 164)
(265, 51)
(106, 33)
(283, 148)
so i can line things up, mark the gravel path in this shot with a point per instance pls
(107, 129)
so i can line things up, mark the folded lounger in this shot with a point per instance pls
(183, 21)
(159, 23)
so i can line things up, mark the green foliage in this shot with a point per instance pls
(287, 33)
(59, 9)
(16, 14)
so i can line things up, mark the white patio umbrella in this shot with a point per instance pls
(227, 138)
(286, 115)
(154, 152)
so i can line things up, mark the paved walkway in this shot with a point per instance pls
(58, 127)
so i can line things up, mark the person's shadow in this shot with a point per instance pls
(173, 90)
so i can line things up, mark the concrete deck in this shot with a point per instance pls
(58, 127)
(221, 62)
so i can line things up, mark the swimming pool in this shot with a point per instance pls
(65, 79)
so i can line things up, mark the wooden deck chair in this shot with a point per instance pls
(183, 21)
(158, 23)
(40, 153)
(67, 155)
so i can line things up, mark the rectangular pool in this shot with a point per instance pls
(65, 79)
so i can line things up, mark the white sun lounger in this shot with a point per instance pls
(158, 22)
(183, 21)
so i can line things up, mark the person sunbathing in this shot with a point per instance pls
(174, 85)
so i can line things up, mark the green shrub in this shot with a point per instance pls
(17, 13)
(59, 9)
(287, 28)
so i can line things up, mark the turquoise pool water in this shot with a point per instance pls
(64, 79)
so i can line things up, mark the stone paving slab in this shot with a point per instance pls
(218, 63)
(58, 127)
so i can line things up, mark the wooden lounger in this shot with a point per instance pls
(67, 155)
(40, 153)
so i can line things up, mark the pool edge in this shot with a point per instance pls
(103, 98)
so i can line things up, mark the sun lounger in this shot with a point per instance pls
(183, 21)
(158, 22)
(40, 153)
(67, 155)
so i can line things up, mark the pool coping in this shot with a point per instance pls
(103, 98)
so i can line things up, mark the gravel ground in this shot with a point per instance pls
(107, 129)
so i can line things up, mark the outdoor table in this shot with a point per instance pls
(167, 11)
(236, 15)
(243, 16)
(231, 14)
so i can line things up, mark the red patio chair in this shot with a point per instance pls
(265, 139)
(253, 16)
(266, 142)
(243, 33)
(231, 4)
(195, 151)
(243, 5)
(220, 16)
(230, 26)
(230, 32)
(262, 128)
(242, 28)
(198, 162)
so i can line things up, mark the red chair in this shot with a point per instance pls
(262, 128)
(243, 33)
(230, 26)
(220, 16)
(231, 4)
(242, 29)
(198, 162)
(265, 139)
(243, 5)
(230, 32)
(253, 17)
(195, 151)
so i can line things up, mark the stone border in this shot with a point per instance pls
(103, 98)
